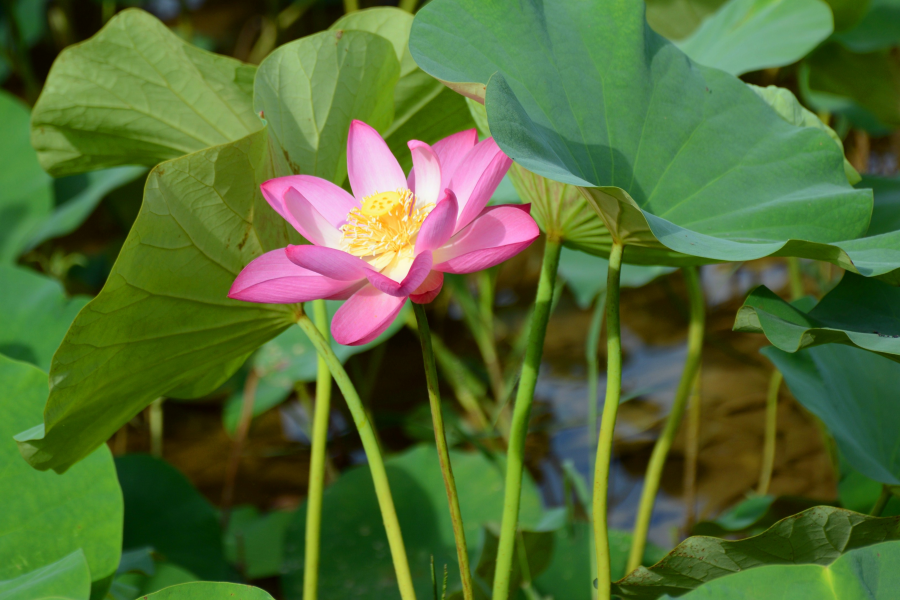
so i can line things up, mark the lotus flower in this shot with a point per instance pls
(394, 238)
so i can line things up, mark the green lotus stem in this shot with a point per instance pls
(664, 443)
(692, 450)
(593, 371)
(373, 453)
(882, 501)
(409, 5)
(768, 461)
(521, 415)
(608, 423)
(795, 276)
(317, 460)
(351, 6)
(440, 438)
(156, 428)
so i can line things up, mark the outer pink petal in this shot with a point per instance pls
(330, 262)
(365, 316)
(310, 222)
(439, 224)
(418, 272)
(429, 289)
(497, 234)
(451, 151)
(273, 279)
(477, 178)
(330, 200)
(370, 164)
(425, 177)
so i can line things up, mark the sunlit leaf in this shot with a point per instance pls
(164, 511)
(136, 93)
(359, 563)
(47, 516)
(424, 109)
(854, 393)
(310, 89)
(69, 578)
(748, 35)
(702, 166)
(865, 574)
(208, 590)
(859, 312)
(35, 314)
(818, 536)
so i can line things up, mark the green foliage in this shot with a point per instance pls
(34, 315)
(858, 312)
(136, 93)
(254, 543)
(207, 590)
(676, 19)
(818, 536)
(69, 578)
(757, 513)
(353, 538)
(748, 35)
(164, 511)
(704, 169)
(877, 28)
(854, 393)
(46, 517)
(865, 574)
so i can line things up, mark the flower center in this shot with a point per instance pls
(386, 222)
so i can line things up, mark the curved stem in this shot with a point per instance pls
(521, 415)
(373, 453)
(440, 438)
(608, 422)
(317, 460)
(593, 372)
(664, 443)
(882, 501)
(691, 452)
(768, 461)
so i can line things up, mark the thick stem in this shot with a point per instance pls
(351, 6)
(882, 501)
(373, 453)
(768, 461)
(593, 372)
(521, 414)
(156, 428)
(795, 276)
(664, 443)
(691, 453)
(409, 5)
(608, 423)
(317, 461)
(440, 438)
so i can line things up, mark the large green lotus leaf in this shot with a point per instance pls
(701, 165)
(69, 578)
(865, 574)
(424, 109)
(163, 325)
(748, 35)
(864, 87)
(757, 513)
(209, 590)
(35, 314)
(255, 542)
(585, 275)
(859, 312)
(847, 13)
(854, 393)
(677, 19)
(26, 192)
(289, 358)
(818, 536)
(164, 511)
(878, 28)
(47, 516)
(359, 561)
(310, 89)
(135, 93)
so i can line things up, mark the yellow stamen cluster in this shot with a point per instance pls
(386, 222)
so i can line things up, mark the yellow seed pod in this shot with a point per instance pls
(381, 204)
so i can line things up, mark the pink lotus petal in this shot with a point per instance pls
(273, 279)
(451, 151)
(418, 272)
(477, 178)
(310, 222)
(365, 316)
(330, 262)
(370, 165)
(439, 224)
(497, 234)
(429, 289)
(331, 201)
(425, 177)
